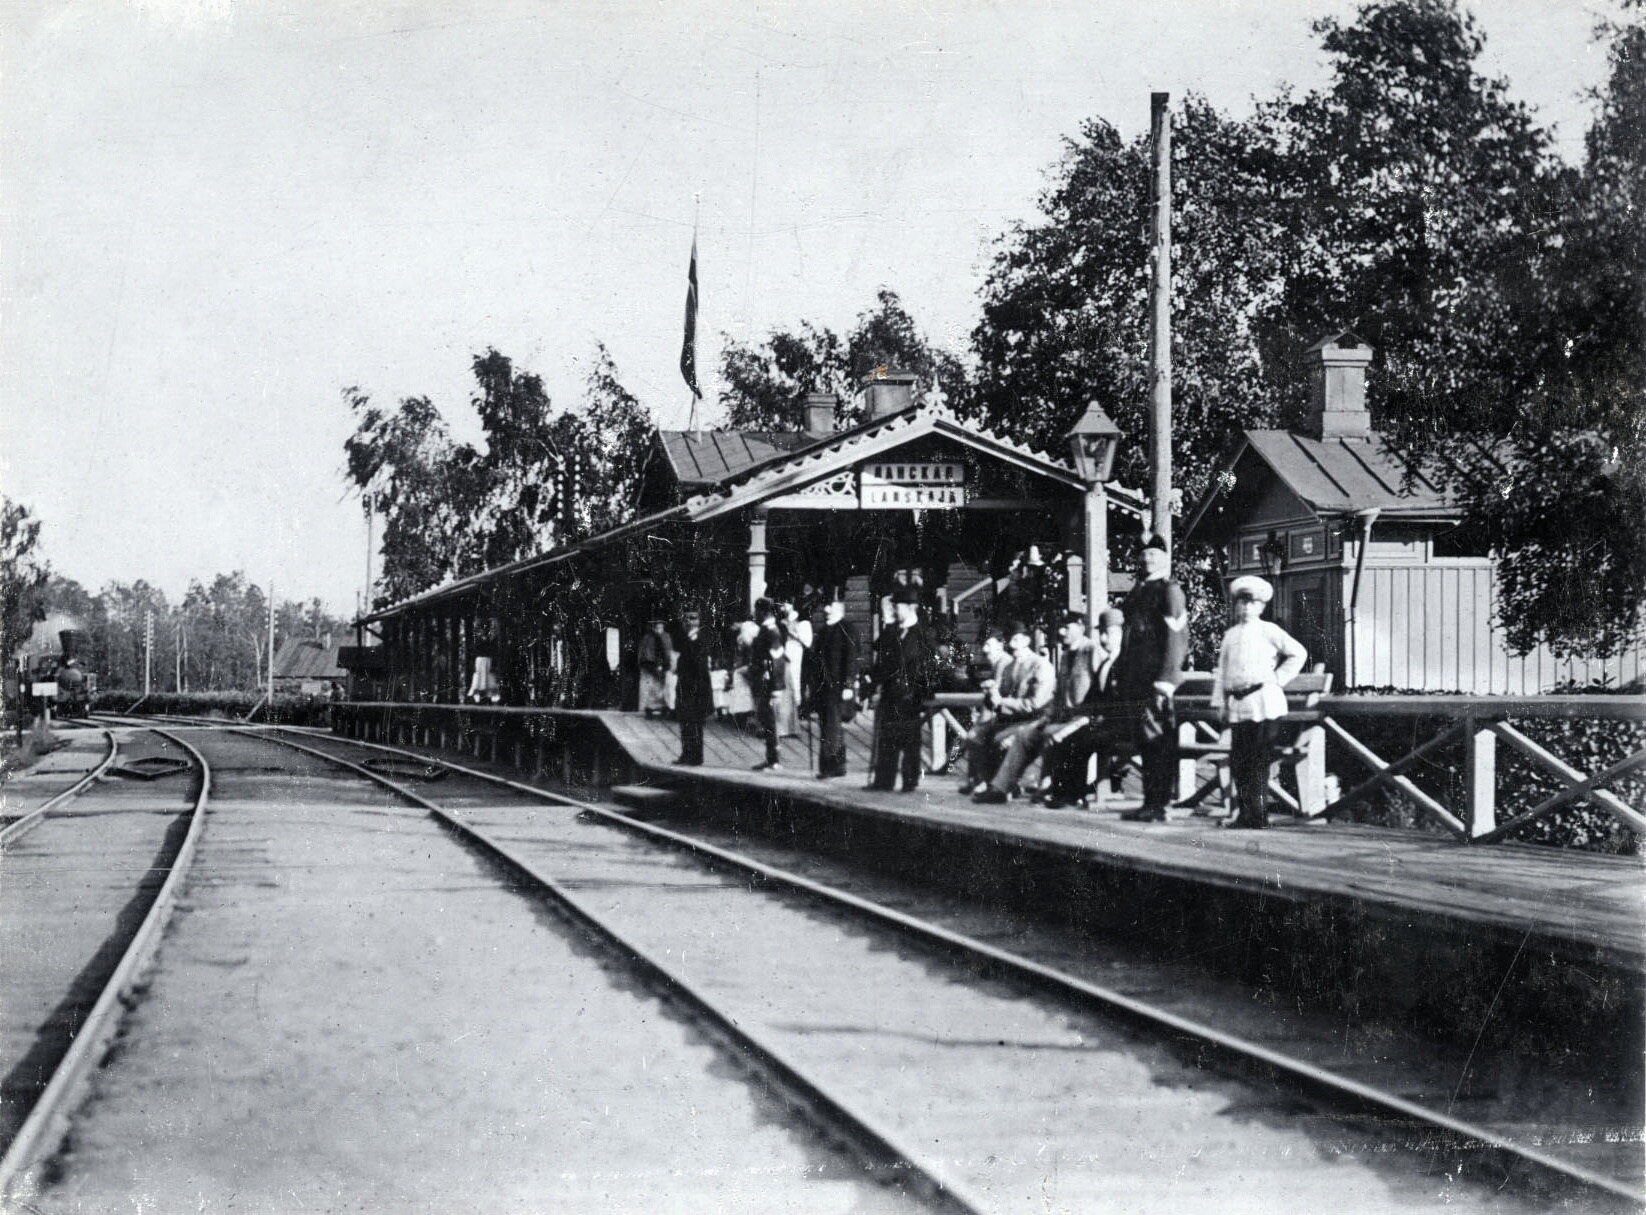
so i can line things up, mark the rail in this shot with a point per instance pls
(1240, 1055)
(46, 1122)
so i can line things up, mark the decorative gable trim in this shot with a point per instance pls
(829, 460)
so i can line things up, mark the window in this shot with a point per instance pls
(1464, 540)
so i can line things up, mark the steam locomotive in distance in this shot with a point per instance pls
(61, 678)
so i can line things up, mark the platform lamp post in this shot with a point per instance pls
(1092, 444)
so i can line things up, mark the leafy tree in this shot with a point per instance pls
(1065, 306)
(124, 608)
(766, 382)
(615, 429)
(450, 509)
(1411, 199)
(414, 479)
(1414, 191)
(22, 575)
(1560, 490)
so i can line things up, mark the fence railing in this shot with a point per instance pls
(1478, 724)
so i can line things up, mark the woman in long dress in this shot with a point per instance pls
(656, 657)
(797, 639)
(740, 694)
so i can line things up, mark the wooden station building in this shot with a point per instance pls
(1372, 570)
(985, 526)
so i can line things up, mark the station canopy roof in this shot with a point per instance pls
(730, 470)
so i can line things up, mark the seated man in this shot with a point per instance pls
(1074, 677)
(1070, 754)
(1025, 689)
(996, 660)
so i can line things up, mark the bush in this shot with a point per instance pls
(1588, 744)
(290, 709)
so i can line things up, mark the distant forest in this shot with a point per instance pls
(216, 639)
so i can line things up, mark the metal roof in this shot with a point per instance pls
(708, 457)
(1336, 475)
(825, 454)
(303, 658)
(1332, 477)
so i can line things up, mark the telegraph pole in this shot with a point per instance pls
(271, 652)
(1160, 313)
(148, 650)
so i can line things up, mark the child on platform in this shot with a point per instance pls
(1257, 660)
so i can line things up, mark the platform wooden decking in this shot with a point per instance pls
(1590, 901)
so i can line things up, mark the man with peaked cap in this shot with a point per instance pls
(1153, 646)
(905, 671)
(694, 693)
(1257, 660)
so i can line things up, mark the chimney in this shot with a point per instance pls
(1337, 388)
(818, 413)
(888, 391)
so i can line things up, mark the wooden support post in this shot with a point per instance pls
(1605, 799)
(1311, 772)
(1480, 777)
(757, 556)
(1186, 764)
(939, 743)
(1096, 563)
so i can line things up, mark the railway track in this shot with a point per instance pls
(1449, 1143)
(25, 822)
(131, 946)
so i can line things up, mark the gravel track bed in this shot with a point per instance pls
(352, 1012)
(72, 892)
(1036, 1107)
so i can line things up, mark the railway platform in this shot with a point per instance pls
(1531, 944)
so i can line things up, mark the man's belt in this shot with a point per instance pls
(1249, 690)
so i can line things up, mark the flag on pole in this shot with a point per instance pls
(688, 348)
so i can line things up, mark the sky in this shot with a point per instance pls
(217, 214)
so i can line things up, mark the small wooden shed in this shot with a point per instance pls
(1372, 570)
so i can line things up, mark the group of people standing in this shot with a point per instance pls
(788, 668)
(1111, 691)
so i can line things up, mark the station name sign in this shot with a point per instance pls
(900, 484)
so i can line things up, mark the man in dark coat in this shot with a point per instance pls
(834, 675)
(693, 696)
(905, 669)
(1152, 650)
(768, 670)
(1071, 754)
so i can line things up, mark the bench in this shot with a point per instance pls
(1302, 745)
(1200, 738)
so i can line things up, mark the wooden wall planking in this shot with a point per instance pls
(1434, 628)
